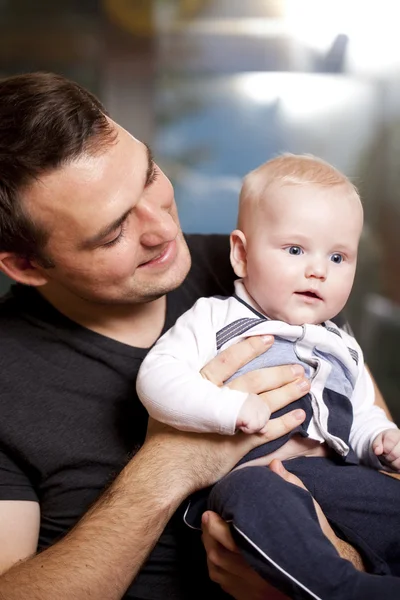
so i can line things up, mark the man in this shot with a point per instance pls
(89, 227)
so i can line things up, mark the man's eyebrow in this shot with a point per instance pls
(103, 233)
(150, 164)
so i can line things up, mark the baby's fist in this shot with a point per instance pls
(386, 445)
(253, 416)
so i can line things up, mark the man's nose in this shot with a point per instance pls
(157, 224)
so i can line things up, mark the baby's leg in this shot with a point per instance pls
(361, 503)
(276, 528)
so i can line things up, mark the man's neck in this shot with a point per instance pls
(137, 325)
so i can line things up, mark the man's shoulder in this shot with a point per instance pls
(208, 243)
(25, 321)
(18, 339)
(9, 311)
(210, 274)
(211, 269)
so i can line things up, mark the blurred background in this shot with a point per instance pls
(218, 86)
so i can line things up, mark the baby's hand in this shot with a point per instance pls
(253, 416)
(386, 445)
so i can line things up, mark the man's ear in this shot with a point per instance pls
(239, 253)
(21, 269)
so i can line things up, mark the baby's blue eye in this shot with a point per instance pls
(337, 258)
(294, 250)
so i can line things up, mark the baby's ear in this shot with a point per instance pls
(239, 253)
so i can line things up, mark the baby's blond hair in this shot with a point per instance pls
(289, 169)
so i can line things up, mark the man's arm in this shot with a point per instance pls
(102, 554)
(379, 400)
(19, 531)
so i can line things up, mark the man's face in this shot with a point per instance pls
(114, 229)
(302, 252)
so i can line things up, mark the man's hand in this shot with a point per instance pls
(228, 568)
(386, 446)
(194, 460)
(276, 386)
(277, 467)
(343, 548)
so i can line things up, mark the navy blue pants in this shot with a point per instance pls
(275, 525)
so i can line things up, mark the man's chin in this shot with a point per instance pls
(150, 298)
(153, 293)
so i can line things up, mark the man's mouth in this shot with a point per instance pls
(161, 256)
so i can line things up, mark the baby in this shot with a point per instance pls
(295, 254)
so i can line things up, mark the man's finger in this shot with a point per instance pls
(281, 397)
(227, 362)
(277, 467)
(276, 428)
(280, 426)
(216, 530)
(263, 380)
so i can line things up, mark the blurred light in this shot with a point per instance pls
(259, 87)
(371, 26)
(251, 26)
(301, 96)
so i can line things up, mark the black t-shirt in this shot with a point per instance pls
(70, 418)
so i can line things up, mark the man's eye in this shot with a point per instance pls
(117, 239)
(337, 258)
(114, 241)
(153, 175)
(294, 250)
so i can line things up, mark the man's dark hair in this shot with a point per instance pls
(46, 121)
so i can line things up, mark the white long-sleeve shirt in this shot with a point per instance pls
(171, 388)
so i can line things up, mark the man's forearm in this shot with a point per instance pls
(344, 549)
(349, 553)
(103, 553)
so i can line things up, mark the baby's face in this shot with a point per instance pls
(302, 252)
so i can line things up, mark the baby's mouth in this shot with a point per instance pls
(310, 294)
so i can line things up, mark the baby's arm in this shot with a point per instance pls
(369, 419)
(386, 445)
(171, 388)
